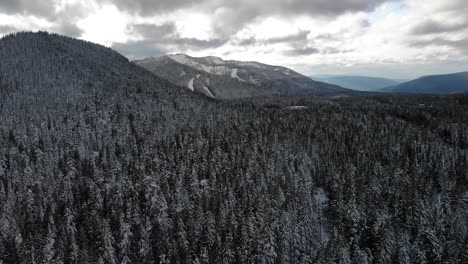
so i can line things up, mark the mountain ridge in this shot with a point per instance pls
(230, 79)
(433, 84)
(355, 82)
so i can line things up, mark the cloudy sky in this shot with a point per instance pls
(397, 39)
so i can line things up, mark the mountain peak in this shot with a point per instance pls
(213, 60)
(229, 79)
(181, 58)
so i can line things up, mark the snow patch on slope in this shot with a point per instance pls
(213, 60)
(217, 70)
(321, 199)
(182, 58)
(208, 92)
(247, 63)
(234, 75)
(190, 85)
(297, 107)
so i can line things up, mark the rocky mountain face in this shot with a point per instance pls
(228, 79)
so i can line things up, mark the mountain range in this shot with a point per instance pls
(229, 79)
(359, 83)
(433, 84)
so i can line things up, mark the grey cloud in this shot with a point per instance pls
(294, 38)
(327, 36)
(68, 29)
(230, 16)
(63, 21)
(139, 49)
(455, 7)
(149, 31)
(234, 13)
(460, 45)
(157, 36)
(155, 48)
(297, 39)
(167, 34)
(247, 42)
(151, 7)
(7, 29)
(197, 43)
(301, 51)
(40, 8)
(390, 70)
(240, 13)
(251, 8)
(434, 27)
(327, 7)
(335, 51)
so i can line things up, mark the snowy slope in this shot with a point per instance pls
(228, 79)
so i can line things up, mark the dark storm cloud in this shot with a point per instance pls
(434, 27)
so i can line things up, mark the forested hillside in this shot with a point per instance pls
(433, 84)
(359, 83)
(102, 162)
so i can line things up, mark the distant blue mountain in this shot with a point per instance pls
(360, 83)
(433, 84)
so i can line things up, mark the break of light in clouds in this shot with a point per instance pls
(399, 39)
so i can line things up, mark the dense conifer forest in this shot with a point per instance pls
(103, 162)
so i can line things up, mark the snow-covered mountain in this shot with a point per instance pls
(228, 79)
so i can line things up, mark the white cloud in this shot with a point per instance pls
(105, 25)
